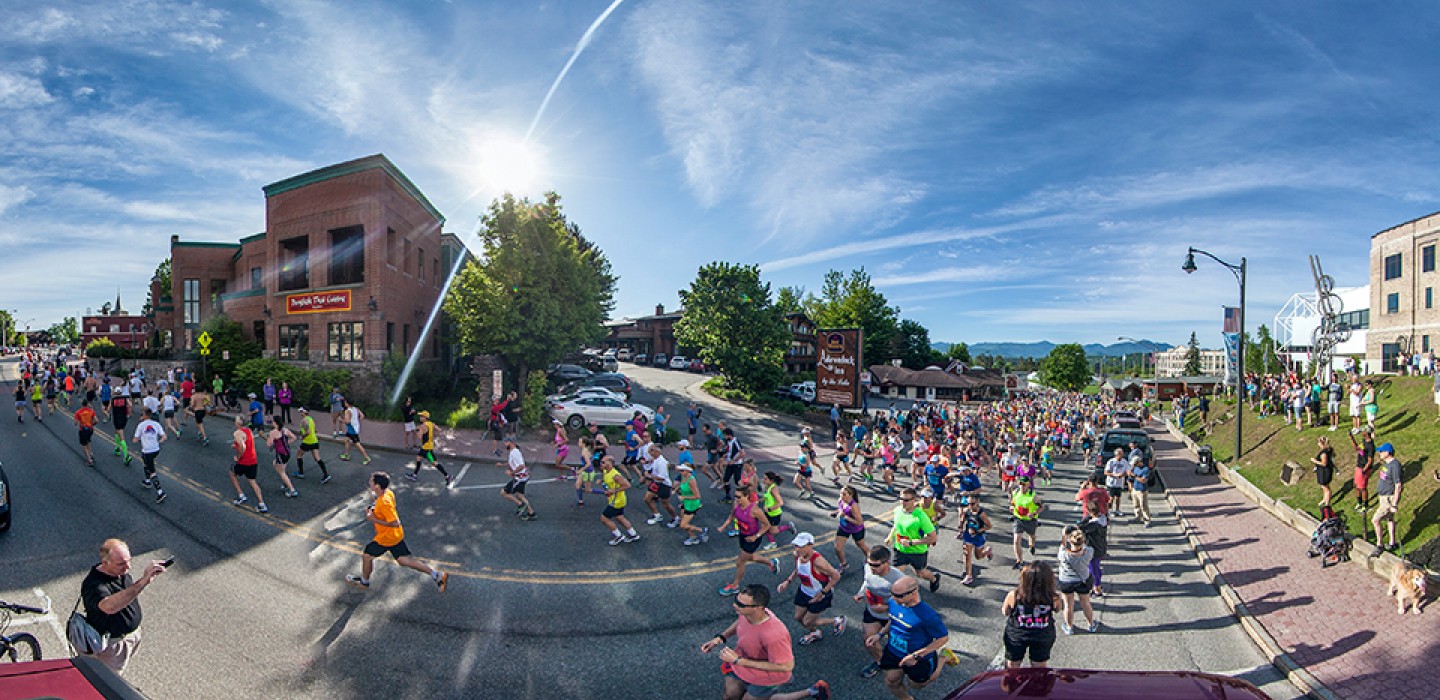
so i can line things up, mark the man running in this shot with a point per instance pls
(389, 538)
(613, 517)
(1026, 507)
(309, 442)
(875, 591)
(85, 421)
(816, 592)
(352, 418)
(120, 417)
(247, 464)
(762, 659)
(149, 434)
(916, 635)
(913, 535)
(658, 488)
(426, 437)
(514, 490)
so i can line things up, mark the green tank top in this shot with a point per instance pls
(1023, 505)
(688, 501)
(769, 502)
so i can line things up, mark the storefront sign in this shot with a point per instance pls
(316, 302)
(837, 367)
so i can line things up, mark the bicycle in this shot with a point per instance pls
(21, 646)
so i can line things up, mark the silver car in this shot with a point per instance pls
(600, 410)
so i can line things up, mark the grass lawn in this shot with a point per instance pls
(1407, 419)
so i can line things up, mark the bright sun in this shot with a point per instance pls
(504, 164)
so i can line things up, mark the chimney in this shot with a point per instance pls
(659, 309)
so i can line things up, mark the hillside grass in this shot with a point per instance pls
(1407, 419)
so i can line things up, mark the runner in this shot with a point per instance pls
(22, 399)
(85, 421)
(842, 461)
(425, 439)
(120, 417)
(1075, 579)
(816, 592)
(37, 396)
(851, 526)
(200, 407)
(762, 659)
(912, 536)
(774, 506)
(750, 523)
(187, 395)
(613, 517)
(562, 447)
(352, 417)
(149, 434)
(658, 487)
(974, 523)
(803, 474)
(916, 635)
(519, 474)
(389, 537)
(106, 393)
(168, 406)
(732, 462)
(309, 442)
(712, 456)
(880, 576)
(247, 464)
(690, 503)
(280, 440)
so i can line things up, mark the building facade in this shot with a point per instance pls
(1404, 317)
(117, 325)
(348, 270)
(645, 335)
(800, 357)
(1171, 363)
(1295, 326)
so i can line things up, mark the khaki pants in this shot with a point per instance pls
(1141, 501)
(116, 652)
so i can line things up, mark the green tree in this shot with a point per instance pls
(1065, 368)
(729, 316)
(226, 334)
(790, 300)
(162, 273)
(66, 331)
(539, 289)
(853, 302)
(1262, 354)
(958, 351)
(912, 346)
(1192, 357)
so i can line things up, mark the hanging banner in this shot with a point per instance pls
(317, 302)
(1232, 356)
(837, 367)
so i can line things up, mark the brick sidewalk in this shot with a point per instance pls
(1337, 623)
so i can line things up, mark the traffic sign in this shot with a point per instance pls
(204, 339)
(204, 351)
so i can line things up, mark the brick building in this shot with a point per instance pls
(1403, 313)
(645, 335)
(349, 266)
(800, 357)
(120, 327)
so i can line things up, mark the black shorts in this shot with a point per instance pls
(282, 458)
(1076, 586)
(249, 471)
(120, 418)
(169, 414)
(869, 618)
(149, 459)
(919, 561)
(185, 402)
(1037, 646)
(919, 672)
(85, 435)
(397, 550)
(310, 448)
(353, 437)
(661, 491)
(746, 545)
(1324, 475)
(1114, 492)
(422, 454)
(199, 416)
(612, 512)
(802, 600)
(90, 396)
(513, 487)
(858, 535)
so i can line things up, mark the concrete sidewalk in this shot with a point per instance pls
(1335, 630)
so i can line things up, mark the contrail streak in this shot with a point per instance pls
(579, 48)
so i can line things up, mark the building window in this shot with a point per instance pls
(405, 260)
(405, 340)
(1392, 267)
(1388, 352)
(295, 342)
(258, 330)
(347, 255)
(191, 297)
(1424, 343)
(1427, 258)
(1355, 320)
(436, 276)
(347, 342)
(389, 337)
(1429, 297)
(257, 278)
(420, 264)
(1392, 303)
(294, 263)
(392, 247)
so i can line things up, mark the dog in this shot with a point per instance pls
(1407, 584)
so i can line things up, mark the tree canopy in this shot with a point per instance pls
(1065, 368)
(66, 331)
(730, 319)
(538, 290)
(1192, 357)
(853, 302)
(912, 346)
(958, 351)
(1262, 353)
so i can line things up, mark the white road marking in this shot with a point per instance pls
(496, 486)
(463, 469)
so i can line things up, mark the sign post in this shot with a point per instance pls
(838, 366)
(204, 342)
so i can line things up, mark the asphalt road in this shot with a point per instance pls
(256, 605)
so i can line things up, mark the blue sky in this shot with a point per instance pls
(1005, 171)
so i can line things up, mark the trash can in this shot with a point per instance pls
(1206, 463)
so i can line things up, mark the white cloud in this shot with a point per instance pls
(22, 91)
(947, 274)
(13, 196)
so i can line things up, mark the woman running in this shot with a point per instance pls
(974, 523)
(562, 445)
(22, 399)
(774, 506)
(803, 474)
(842, 461)
(852, 524)
(1075, 581)
(280, 439)
(37, 396)
(690, 504)
(1029, 612)
(749, 524)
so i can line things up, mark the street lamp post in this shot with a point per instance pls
(1239, 272)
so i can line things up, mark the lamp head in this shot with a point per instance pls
(1189, 265)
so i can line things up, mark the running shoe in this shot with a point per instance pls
(128, 460)
(1094, 626)
(968, 580)
(691, 541)
(240, 501)
(298, 475)
(935, 583)
(448, 481)
(632, 538)
(673, 524)
(616, 540)
(732, 532)
(839, 625)
(148, 483)
(357, 582)
(1065, 628)
(728, 589)
(160, 496)
(367, 460)
(820, 690)
(791, 524)
(775, 565)
(870, 670)
(811, 638)
(411, 477)
(770, 545)
(262, 508)
(345, 458)
(528, 516)
(442, 582)
(655, 519)
(292, 493)
(704, 534)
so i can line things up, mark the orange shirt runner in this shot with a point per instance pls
(385, 510)
(85, 417)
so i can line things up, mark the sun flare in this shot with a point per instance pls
(502, 164)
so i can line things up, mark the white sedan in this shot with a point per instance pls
(600, 410)
(679, 362)
(586, 391)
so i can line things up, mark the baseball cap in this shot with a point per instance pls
(683, 443)
(1387, 447)
(304, 410)
(251, 394)
(423, 414)
(927, 493)
(803, 539)
(685, 466)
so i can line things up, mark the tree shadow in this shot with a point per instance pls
(1270, 602)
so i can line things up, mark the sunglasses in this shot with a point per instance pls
(898, 594)
(908, 500)
(739, 604)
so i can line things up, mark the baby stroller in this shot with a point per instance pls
(1331, 541)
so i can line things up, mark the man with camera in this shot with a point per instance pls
(112, 603)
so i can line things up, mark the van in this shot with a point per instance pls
(804, 391)
(608, 363)
(623, 354)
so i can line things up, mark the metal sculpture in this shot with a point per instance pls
(1331, 331)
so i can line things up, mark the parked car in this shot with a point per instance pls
(600, 410)
(623, 354)
(613, 381)
(80, 677)
(568, 373)
(587, 391)
(5, 502)
(661, 360)
(679, 362)
(608, 363)
(697, 365)
(1127, 419)
(1076, 684)
(642, 359)
(803, 392)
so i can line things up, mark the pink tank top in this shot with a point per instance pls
(744, 521)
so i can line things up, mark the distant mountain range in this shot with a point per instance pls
(1042, 348)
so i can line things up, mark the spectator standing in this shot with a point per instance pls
(1364, 465)
(1029, 612)
(112, 603)
(1324, 462)
(268, 393)
(1389, 492)
(285, 398)
(1075, 580)
(407, 414)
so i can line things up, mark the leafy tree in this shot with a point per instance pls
(162, 273)
(1262, 353)
(958, 351)
(66, 331)
(538, 290)
(1065, 368)
(729, 316)
(790, 300)
(226, 334)
(853, 302)
(1192, 357)
(912, 346)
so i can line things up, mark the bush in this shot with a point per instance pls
(102, 347)
(716, 387)
(429, 380)
(310, 387)
(532, 407)
(466, 415)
